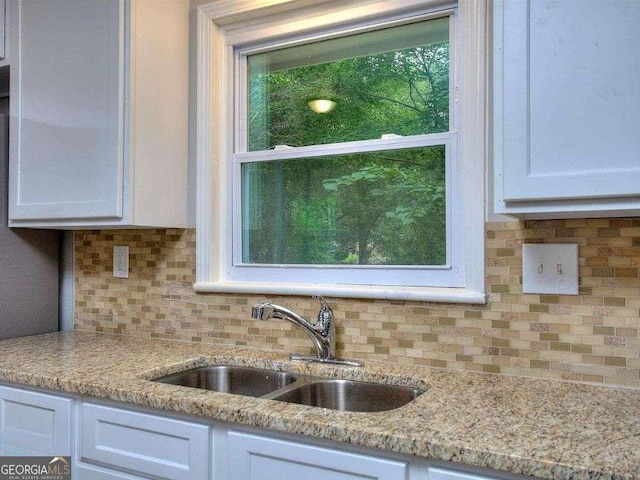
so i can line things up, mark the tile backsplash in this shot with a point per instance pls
(589, 337)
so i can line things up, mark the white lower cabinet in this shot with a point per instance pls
(34, 423)
(253, 457)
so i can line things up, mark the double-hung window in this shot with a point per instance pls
(330, 152)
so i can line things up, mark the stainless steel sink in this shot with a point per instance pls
(335, 394)
(348, 395)
(252, 382)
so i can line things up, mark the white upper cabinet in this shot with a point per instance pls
(566, 107)
(4, 33)
(99, 102)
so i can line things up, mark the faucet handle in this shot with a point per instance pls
(325, 316)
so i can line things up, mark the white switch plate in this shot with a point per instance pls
(121, 261)
(550, 268)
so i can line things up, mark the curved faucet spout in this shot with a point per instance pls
(322, 333)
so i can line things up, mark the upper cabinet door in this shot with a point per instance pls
(67, 87)
(4, 30)
(566, 102)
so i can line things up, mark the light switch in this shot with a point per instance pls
(550, 268)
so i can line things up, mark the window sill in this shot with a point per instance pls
(438, 295)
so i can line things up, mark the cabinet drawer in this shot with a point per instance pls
(253, 457)
(146, 444)
(34, 423)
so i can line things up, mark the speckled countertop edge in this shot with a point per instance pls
(542, 428)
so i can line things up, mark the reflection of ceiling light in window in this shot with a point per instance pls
(321, 105)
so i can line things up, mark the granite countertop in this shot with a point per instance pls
(542, 428)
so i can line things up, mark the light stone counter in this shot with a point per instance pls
(547, 429)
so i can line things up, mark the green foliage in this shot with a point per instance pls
(384, 208)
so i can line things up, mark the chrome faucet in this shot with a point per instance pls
(322, 333)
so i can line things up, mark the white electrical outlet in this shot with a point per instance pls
(121, 261)
(550, 268)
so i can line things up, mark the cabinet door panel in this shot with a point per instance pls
(4, 33)
(67, 109)
(567, 99)
(253, 457)
(137, 442)
(34, 423)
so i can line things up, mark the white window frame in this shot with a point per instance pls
(225, 26)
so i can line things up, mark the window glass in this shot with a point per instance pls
(374, 208)
(393, 81)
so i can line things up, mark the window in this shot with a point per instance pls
(331, 152)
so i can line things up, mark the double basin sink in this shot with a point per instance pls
(335, 394)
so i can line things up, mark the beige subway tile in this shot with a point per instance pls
(551, 355)
(609, 331)
(550, 374)
(604, 350)
(560, 328)
(615, 361)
